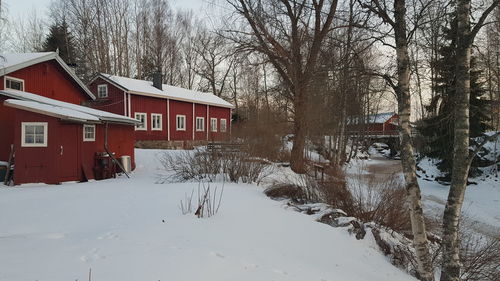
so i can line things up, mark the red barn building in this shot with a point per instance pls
(52, 136)
(167, 113)
(382, 124)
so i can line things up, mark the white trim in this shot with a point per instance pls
(23, 134)
(145, 128)
(177, 122)
(168, 119)
(225, 125)
(5, 78)
(84, 132)
(208, 120)
(202, 124)
(98, 91)
(153, 115)
(129, 106)
(212, 127)
(125, 103)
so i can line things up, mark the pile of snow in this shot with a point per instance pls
(133, 229)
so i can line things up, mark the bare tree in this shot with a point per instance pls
(290, 34)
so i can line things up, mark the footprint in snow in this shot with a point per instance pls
(250, 265)
(279, 271)
(92, 255)
(108, 235)
(215, 254)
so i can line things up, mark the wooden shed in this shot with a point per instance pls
(52, 136)
(381, 124)
(167, 113)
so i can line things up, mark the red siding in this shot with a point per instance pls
(48, 165)
(50, 80)
(181, 108)
(150, 105)
(220, 113)
(144, 104)
(7, 127)
(114, 103)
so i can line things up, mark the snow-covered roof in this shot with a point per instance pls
(370, 119)
(68, 111)
(13, 62)
(146, 88)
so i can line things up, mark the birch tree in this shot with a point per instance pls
(462, 157)
(398, 23)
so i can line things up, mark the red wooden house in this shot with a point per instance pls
(166, 112)
(382, 124)
(52, 136)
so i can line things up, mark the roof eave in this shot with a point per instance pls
(180, 99)
(51, 114)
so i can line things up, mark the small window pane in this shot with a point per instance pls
(30, 129)
(29, 138)
(39, 138)
(39, 129)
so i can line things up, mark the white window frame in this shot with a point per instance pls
(223, 129)
(202, 129)
(160, 116)
(177, 127)
(145, 128)
(85, 135)
(213, 124)
(13, 79)
(105, 86)
(23, 134)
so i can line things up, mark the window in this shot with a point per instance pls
(34, 134)
(156, 122)
(88, 132)
(144, 122)
(14, 83)
(200, 124)
(213, 124)
(223, 125)
(181, 122)
(102, 91)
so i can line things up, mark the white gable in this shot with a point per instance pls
(13, 62)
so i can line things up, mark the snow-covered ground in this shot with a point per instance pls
(133, 229)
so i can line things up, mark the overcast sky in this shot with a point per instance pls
(22, 8)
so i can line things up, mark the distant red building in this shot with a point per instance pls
(52, 136)
(382, 124)
(166, 112)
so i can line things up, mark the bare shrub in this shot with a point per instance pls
(190, 165)
(208, 201)
(480, 255)
(209, 165)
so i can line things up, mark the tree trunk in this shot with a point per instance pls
(420, 242)
(300, 131)
(451, 219)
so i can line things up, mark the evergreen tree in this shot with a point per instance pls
(438, 127)
(60, 39)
